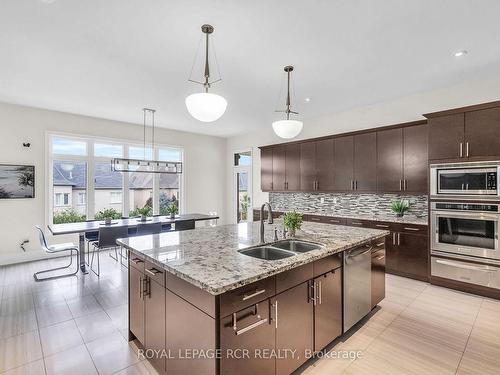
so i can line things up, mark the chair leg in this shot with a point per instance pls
(35, 275)
(123, 257)
(92, 261)
(114, 257)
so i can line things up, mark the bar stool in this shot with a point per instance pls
(53, 249)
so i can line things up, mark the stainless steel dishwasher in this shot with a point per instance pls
(357, 284)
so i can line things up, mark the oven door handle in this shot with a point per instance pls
(460, 215)
(465, 266)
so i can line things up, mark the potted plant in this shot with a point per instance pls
(400, 207)
(144, 212)
(292, 221)
(173, 210)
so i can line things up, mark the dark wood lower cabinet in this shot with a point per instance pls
(154, 322)
(328, 308)
(187, 328)
(243, 334)
(292, 314)
(413, 256)
(136, 303)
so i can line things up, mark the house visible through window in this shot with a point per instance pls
(115, 197)
(74, 159)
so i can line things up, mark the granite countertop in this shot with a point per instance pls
(209, 257)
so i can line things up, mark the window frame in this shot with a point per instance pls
(90, 161)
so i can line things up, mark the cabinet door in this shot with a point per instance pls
(391, 253)
(248, 331)
(188, 328)
(482, 132)
(279, 165)
(308, 166)
(344, 163)
(136, 303)
(292, 313)
(328, 309)
(266, 169)
(155, 322)
(378, 275)
(413, 254)
(325, 164)
(390, 160)
(415, 161)
(365, 162)
(445, 135)
(292, 168)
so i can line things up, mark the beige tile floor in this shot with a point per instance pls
(75, 325)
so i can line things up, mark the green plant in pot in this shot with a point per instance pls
(400, 207)
(173, 210)
(144, 212)
(292, 221)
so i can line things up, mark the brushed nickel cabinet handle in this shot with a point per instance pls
(381, 257)
(334, 221)
(320, 300)
(275, 305)
(140, 287)
(311, 297)
(400, 185)
(414, 229)
(137, 260)
(399, 239)
(405, 185)
(315, 219)
(381, 225)
(356, 185)
(380, 244)
(394, 238)
(467, 149)
(250, 327)
(153, 271)
(248, 296)
(461, 150)
(356, 223)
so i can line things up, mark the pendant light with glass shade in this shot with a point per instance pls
(288, 128)
(205, 106)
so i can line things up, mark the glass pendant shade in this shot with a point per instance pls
(206, 107)
(287, 128)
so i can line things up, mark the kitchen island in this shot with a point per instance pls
(202, 306)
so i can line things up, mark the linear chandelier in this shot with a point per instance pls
(146, 165)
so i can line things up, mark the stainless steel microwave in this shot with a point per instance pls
(474, 180)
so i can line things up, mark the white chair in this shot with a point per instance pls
(53, 249)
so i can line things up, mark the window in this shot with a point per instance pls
(74, 160)
(243, 158)
(81, 198)
(115, 197)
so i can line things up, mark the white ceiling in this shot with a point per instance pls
(110, 58)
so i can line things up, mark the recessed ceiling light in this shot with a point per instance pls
(47, 1)
(460, 53)
(307, 100)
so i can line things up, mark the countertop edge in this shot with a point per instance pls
(219, 291)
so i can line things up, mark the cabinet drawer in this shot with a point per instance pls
(155, 273)
(296, 276)
(136, 261)
(335, 220)
(414, 229)
(357, 223)
(315, 218)
(247, 295)
(327, 264)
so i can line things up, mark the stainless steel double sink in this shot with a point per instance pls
(280, 250)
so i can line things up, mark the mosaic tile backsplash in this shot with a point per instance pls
(345, 204)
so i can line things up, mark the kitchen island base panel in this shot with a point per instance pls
(224, 335)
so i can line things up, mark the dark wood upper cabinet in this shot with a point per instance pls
(365, 162)
(415, 160)
(390, 160)
(279, 165)
(482, 133)
(308, 166)
(446, 136)
(343, 174)
(325, 165)
(292, 167)
(266, 169)
(294, 326)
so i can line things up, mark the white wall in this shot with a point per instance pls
(205, 168)
(404, 109)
